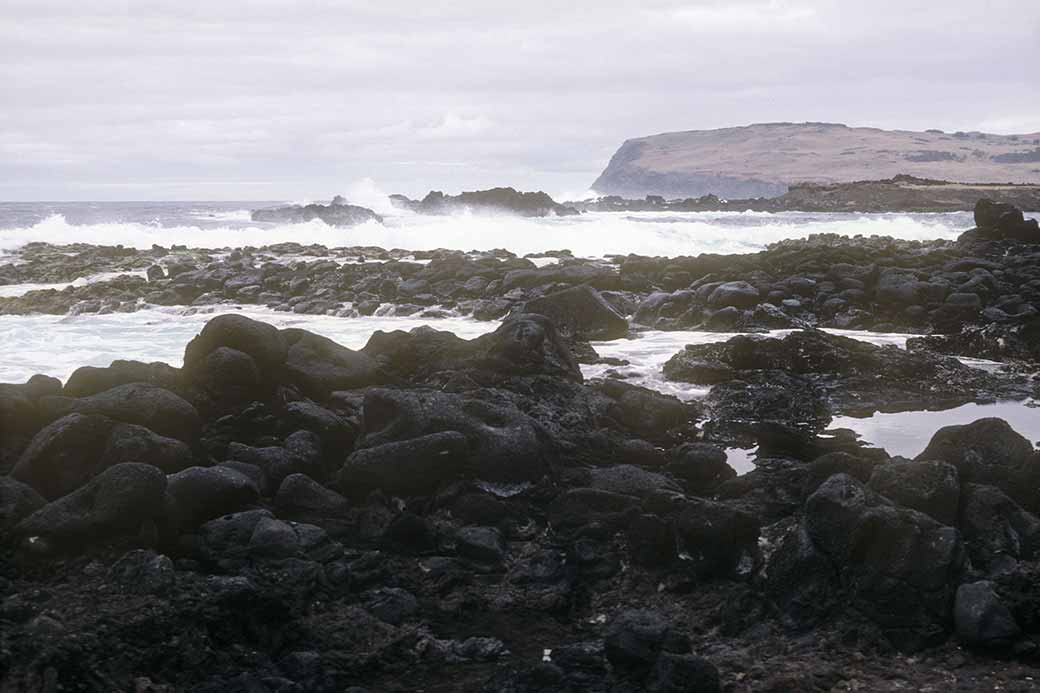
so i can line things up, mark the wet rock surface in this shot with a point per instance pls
(460, 514)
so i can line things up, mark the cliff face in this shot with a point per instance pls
(764, 160)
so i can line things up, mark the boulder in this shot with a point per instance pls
(64, 455)
(17, 501)
(700, 466)
(527, 344)
(1000, 221)
(580, 312)
(630, 480)
(319, 365)
(143, 404)
(334, 432)
(647, 413)
(414, 466)
(132, 443)
(115, 503)
(737, 294)
(715, 539)
(300, 453)
(481, 544)
(930, 487)
(984, 451)
(198, 494)
(581, 507)
(75, 448)
(503, 443)
(981, 618)
(227, 378)
(391, 605)
(302, 499)
(997, 531)
(261, 341)
(90, 380)
(897, 565)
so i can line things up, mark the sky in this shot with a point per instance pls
(271, 100)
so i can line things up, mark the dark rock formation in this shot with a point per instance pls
(337, 213)
(493, 201)
(434, 512)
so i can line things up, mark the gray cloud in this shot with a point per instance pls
(264, 99)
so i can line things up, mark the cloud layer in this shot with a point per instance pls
(272, 100)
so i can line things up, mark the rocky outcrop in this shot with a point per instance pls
(492, 201)
(336, 213)
(801, 380)
(901, 193)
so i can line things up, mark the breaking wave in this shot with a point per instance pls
(589, 235)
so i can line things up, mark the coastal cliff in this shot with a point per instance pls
(764, 160)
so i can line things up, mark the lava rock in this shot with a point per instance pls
(981, 618)
(997, 531)
(418, 465)
(302, 499)
(636, 637)
(143, 404)
(930, 487)
(115, 503)
(198, 494)
(580, 311)
(90, 380)
(899, 565)
(700, 466)
(737, 294)
(261, 341)
(17, 501)
(481, 544)
(75, 448)
(320, 366)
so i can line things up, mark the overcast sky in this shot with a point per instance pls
(227, 99)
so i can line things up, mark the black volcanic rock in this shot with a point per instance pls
(899, 564)
(118, 501)
(580, 311)
(851, 376)
(338, 213)
(495, 200)
(483, 519)
(1000, 221)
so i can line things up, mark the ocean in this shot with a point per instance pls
(56, 345)
(227, 224)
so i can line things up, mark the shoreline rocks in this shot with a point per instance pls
(492, 201)
(472, 513)
(336, 213)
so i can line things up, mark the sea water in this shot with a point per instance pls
(57, 345)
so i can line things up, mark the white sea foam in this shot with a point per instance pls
(11, 290)
(233, 215)
(588, 235)
(57, 345)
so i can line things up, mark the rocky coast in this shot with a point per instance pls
(279, 512)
